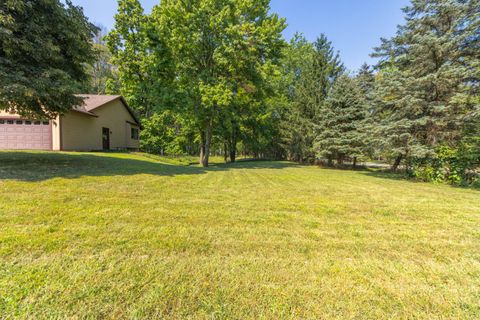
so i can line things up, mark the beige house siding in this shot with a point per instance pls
(81, 132)
(131, 143)
(8, 115)
(56, 134)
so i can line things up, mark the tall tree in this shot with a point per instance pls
(218, 47)
(101, 70)
(311, 70)
(366, 80)
(340, 133)
(429, 75)
(44, 46)
(144, 68)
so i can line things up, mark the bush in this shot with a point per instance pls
(162, 134)
(454, 166)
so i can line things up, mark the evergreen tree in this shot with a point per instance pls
(340, 129)
(429, 74)
(366, 80)
(44, 47)
(312, 69)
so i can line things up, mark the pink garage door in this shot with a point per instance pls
(16, 134)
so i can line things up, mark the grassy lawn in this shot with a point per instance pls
(127, 236)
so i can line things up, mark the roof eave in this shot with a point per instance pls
(126, 106)
(86, 113)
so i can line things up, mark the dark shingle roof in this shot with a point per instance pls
(94, 101)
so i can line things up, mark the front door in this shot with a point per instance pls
(106, 138)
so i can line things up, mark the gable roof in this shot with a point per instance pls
(95, 101)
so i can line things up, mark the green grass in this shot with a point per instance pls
(126, 236)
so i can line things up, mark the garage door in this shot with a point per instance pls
(16, 134)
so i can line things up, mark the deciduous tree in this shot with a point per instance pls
(44, 47)
(218, 47)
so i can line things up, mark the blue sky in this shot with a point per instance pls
(353, 26)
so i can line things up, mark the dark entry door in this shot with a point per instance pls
(106, 138)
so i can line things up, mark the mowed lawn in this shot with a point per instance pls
(127, 236)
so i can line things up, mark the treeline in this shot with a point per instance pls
(216, 77)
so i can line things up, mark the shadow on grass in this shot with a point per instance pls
(402, 176)
(39, 166)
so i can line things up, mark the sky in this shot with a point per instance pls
(354, 26)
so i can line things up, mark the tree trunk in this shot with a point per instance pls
(202, 147)
(233, 142)
(225, 151)
(233, 147)
(206, 146)
(340, 160)
(354, 162)
(330, 161)
(397, 162)
(233, 154)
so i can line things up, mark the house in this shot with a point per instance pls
(103, 122)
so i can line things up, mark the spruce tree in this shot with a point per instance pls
(429, 75)
(313, 69)
(366, 80)
(340, 133)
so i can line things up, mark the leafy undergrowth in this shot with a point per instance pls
(128, 236)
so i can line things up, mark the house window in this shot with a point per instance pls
(45, 123)
(2, 121)
(37, 123)
(9, 121)
(28, 122)
(19, 122)
(134, 133)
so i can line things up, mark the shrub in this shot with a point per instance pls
(456, 166)
(162, 134)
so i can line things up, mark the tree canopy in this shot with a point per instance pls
(44, 47)
(216, 77)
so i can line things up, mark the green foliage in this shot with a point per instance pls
(164, 134)
(101, 71)
(310, 70)
(458, 166)
(220, 70)
(144, 73)
(443, 167)
(218, 48)
(428, 78)
(340, 130)
(44, 46)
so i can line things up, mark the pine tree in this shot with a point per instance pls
(313, 69)
(366, 80)
(340, 133)
(429, 74)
